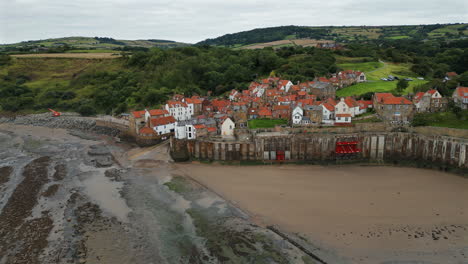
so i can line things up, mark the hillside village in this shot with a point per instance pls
(304, 104)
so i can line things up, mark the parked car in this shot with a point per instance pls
(420, 78)
(383, 79)
(408, 79)
(396, 78)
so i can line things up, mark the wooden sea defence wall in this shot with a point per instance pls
(395, 147)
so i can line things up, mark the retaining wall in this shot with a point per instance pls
(376, 147)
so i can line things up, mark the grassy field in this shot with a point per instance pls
(286, 43)
(69, 55)
(93, 51)
(361, 66)
(45, 73)
(399, 37)
(374, 83)
(351, 32)
(266, 123)
(446, 119)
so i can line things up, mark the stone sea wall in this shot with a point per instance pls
(394, 147)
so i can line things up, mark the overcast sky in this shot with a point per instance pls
(195, 20)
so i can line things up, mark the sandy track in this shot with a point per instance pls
(366, 214)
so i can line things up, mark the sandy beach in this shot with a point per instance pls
(363, 214)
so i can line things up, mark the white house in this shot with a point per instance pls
(227, 127)
(179, 110)
(460, 97)
(360, 77)
(163, 125)
(342, 118)
(233, 95)
(190, 131)
(328, 113)
(297, 115)
(285, 85)
(343, 108)
(180, 132)
(191, 107)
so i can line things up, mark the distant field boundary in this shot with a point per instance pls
(106, 55)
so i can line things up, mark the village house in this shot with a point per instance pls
(314, 113)
(449, 76)
(284, 85)
(364, 106)
(227, 128)
(252, 113)
(265, 112)
(393, 109)
(430, 101)
(281, 112)
(179, 110)
(342, 119)
(328, 116)
(342, 109)
(460, 97)
(234, 95)
(297, 115)
(322, 89)
(163, 125)
(195, 103)
(140, 119)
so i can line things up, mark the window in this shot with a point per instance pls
(346, 119)
(230, 127)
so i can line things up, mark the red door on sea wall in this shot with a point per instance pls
(280, 155)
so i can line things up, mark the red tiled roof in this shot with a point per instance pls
(264, 112)
(302, 93)
(162, 120)
(418, 96)
(351, 102)
(158, 112)
(396, 101)
(381, 96)
(138, 114)
(331, 101)
(281, 107)
(220, 103)
(451, 74)
(282, 83)
(173, 104)
(363, 104)
(432, 91)
(343, 115)
(309, 101)
(211, 129)
(328, 106)
(462, 92)
(193, 101)
(147, 131)
(200, 126)
(323, 79)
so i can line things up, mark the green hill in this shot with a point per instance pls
(340, 34)
(86, 44)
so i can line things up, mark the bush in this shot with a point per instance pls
(87, 110)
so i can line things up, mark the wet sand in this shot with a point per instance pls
(363, 214)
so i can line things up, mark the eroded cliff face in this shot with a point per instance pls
(394, 147)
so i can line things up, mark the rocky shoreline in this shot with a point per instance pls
(72, 121)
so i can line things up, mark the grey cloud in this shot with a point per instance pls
(192, 21)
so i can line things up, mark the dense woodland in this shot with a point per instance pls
(148, 78)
